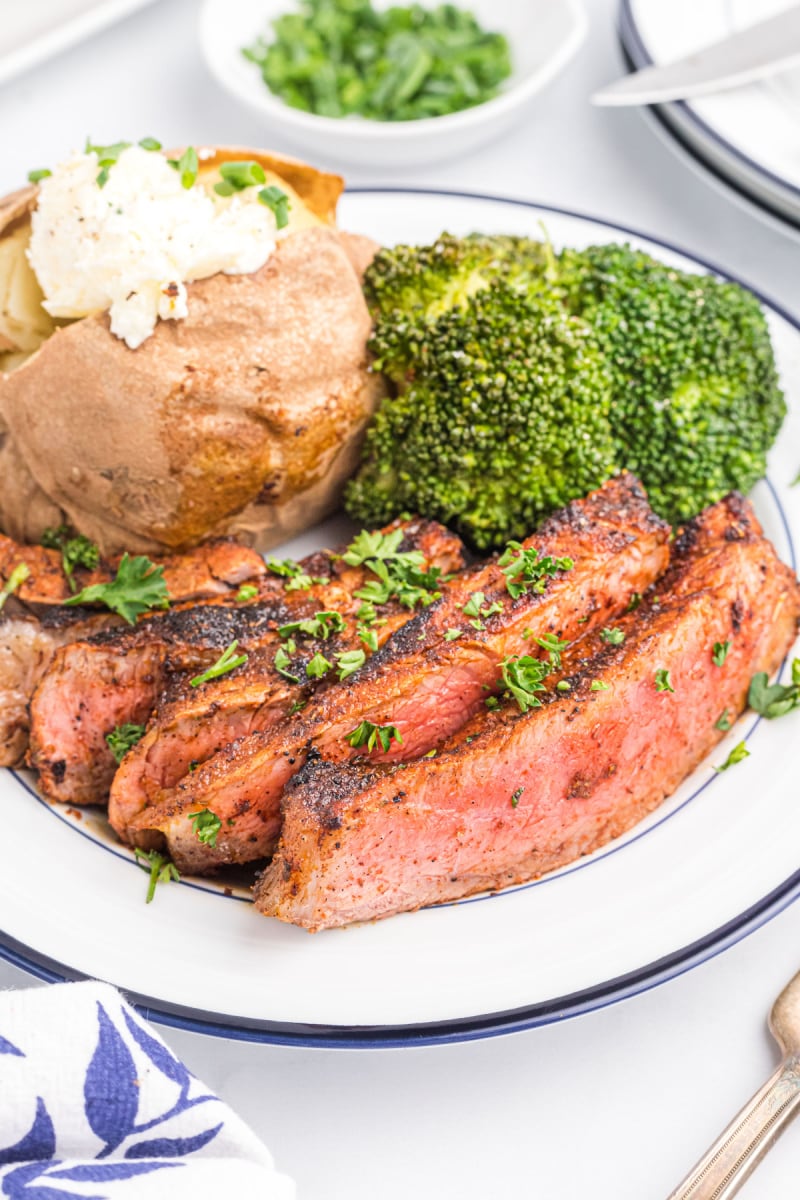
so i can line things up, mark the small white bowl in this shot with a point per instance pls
(543, 35)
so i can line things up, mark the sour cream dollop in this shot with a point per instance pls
(131, 246)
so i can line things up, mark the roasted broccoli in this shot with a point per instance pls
(697, 402)
(504, 420)
(409, 286)
(523, 379)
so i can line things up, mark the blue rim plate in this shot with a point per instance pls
(560, 947)
(654, 116)
(765, 188)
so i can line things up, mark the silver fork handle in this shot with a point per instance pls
(737, 1151)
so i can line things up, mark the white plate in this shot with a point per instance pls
(32, 33)
(718, 858)
(543, 34)
(750, 135)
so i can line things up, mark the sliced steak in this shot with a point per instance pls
(35, 623)
(94, 685)
(27, 645)
(214, 569)
(420, 682)
(516, 795)
(191, 724)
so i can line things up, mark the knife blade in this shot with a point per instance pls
(762, 49)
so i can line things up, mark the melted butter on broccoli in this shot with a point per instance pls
(524, 379)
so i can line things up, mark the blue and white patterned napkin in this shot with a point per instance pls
(93, 1105)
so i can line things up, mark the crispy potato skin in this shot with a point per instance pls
(243, 418)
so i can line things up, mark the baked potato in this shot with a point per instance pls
(244, 417)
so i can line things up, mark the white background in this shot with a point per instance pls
(616, 1105)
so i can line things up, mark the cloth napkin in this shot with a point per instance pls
(94, 1105)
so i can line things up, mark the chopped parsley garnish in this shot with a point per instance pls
(369, 735)
(236, 176)
(723, 721)
(477, 608)
(612, 637)
(526, 571)
(368, 636)
(161, 869)
(297, 580)
(367, 613)
(563, 686)
(248, 591)
(285, 567)
(774, 699)
(227, 661)
(282, 662)
(206, 825)
(350, 661)
(278, 203)
(303, 582)
(76, 551)
(15, 580)
(321, 625)
(375, 544)
(187, 166)
(122, 738)
(515, 796)
(401, 578)
(452, 634)
(597, 685)
(297, 707)
(137, 587)
(634, 602)
(318, 666)
(554, 646)
(398, 573)
(720, 653)
(523, 678)
(492, 702)
(736, 755)
(663, 683)
(38, 174)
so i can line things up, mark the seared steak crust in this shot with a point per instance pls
(212, 569)
(35, 622)
(420, 682)
(116, 677)
(515, 795)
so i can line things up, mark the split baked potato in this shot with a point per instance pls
(245, 417)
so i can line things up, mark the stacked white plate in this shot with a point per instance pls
(749, 137)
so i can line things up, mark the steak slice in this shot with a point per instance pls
(116, 678)
(27, 645)
(190, 724)
(420, 682)
(215, 568)
(516, 795)
(35, 623)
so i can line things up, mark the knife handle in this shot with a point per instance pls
(737, 1151)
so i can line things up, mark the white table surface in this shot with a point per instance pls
(618, 1104)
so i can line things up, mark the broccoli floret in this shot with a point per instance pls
(524, 379)
(407, 287)
(505, 419)
(697, 402)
